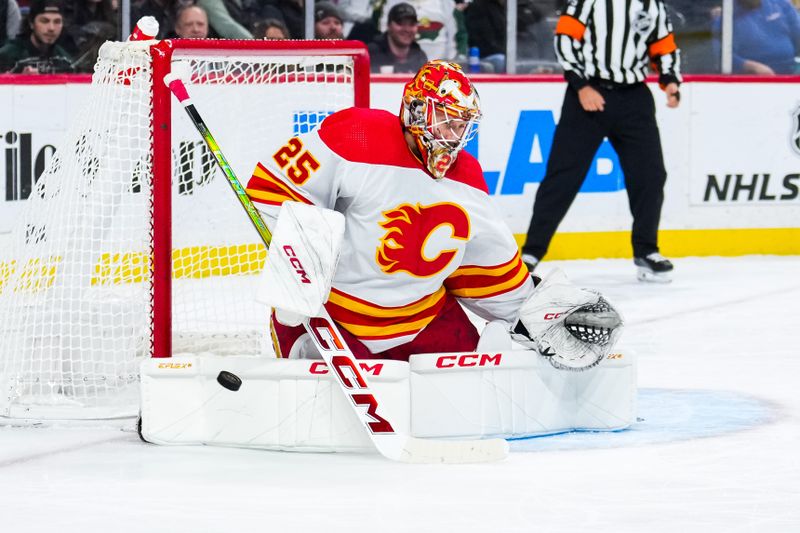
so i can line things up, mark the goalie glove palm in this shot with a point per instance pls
(575, 328)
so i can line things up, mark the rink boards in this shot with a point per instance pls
(732, 153)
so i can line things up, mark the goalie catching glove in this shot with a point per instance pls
(575, 328)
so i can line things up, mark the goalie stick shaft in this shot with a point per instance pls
(234, 182)
(338, 356)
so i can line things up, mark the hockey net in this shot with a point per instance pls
(132, 244)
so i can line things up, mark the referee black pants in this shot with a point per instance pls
(629, 122)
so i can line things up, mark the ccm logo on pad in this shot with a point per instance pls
(295, 262)
(467, 360)
(552, 316)
(319, 367)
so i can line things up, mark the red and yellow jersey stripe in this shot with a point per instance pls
(470, 281)
(266, 188)
(369, 321)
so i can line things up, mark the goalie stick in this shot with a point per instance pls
(337, 355)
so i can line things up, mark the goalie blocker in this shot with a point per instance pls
(295, 405)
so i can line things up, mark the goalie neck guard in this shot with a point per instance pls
(441, 110)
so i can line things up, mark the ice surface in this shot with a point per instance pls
(715, 449)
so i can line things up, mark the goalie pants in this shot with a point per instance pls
(629, 122)
(450, 331)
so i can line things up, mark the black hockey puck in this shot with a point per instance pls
(229, 380)
(139, 428)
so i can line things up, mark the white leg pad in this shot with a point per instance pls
(295, 405)
(518, 394)
(282, 404)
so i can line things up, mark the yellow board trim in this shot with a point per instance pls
(6, 271)
(134, 267)
(206, 261)
(676, 243)
(118, 268)
(195, 262)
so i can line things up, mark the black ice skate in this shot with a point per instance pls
(653, 267)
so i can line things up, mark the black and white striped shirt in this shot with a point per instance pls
(616, 40)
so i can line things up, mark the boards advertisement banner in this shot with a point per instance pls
(732, 151)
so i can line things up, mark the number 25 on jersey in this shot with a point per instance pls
(297, 163)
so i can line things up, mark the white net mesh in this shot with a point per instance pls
(75, 283)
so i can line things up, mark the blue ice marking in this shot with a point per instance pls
(666, 415)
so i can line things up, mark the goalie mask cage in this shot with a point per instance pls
(132, 244)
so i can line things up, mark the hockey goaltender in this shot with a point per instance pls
(420, 243)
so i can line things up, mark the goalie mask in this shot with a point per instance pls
(441, 110)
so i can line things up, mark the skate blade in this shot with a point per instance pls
(648, 276)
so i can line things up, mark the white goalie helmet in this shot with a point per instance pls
(441, 109)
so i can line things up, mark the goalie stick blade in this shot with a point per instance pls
(416, 450)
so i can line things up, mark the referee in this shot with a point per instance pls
(605, 48)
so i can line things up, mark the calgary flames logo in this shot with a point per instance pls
(408, 229)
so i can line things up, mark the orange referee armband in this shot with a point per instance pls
(663, 46)
(571, 27)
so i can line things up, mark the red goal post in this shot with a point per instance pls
(163, 56)
(131, 245)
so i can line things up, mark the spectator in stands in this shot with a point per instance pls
(461, 37)
(191, 23)
(486, 28)
(437, 26)
(766, 37)
(36, 51)
(396, 49)
(270, 30)
(163, 11)
(692, 21)
(88, 24)
(229, 19)
(10, 19)
(80, 12)
(361, 18)
(327, 21)
(292, 13)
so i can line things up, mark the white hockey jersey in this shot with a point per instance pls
(409, 239)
